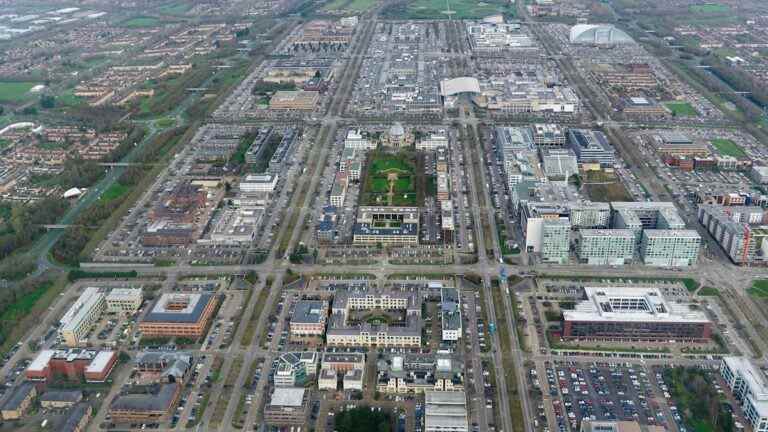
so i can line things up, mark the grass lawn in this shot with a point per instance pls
(166, 122)
(141, 22)
(68, 98)
(435, 9)
(15, 91)
(383, 164)
(379, 185)
(759, 288)
(114, 192)
(708, 291)
(727, 147)
(681, 109)
(349, 5)
(174, 9)
(709, 8)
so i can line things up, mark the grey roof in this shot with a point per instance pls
(191, 317)
(73, 396)
(17, 396)
(310, 311)
(367, 229)
(76, 414)
(158, 398)
(173, 363)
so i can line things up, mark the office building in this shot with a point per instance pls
(81, 316)
(151, 403)
(342, 331)
(180, 315)
(555, 241)
(670, 248)
(358, 140)
(287, 406)
(548, 135)
(295, 368)
(309, 318)
(591, 147)
(559, 164)
(450, 314)
(606, 246)
(417, 373)
(74, 365)
(386, 225)
(624, 313)
(124, 300)
(749, 386)
(432, 141)
(593, 215)
(445, 411)
(258, 183)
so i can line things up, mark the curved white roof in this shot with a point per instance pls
(455, 86)
(598, 34)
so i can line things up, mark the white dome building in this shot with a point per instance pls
(598, 34)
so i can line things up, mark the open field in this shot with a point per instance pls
(727, 147)
(681, 109)
(436, 9)
(15, 91)
(605, 187)
(141, 22)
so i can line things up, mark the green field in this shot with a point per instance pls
(709, 8)
(114, 192)
(681, 109)
(174, 9)
(435, 9)
(759, 288)
(165, 122)
(349, 5)
(141, 22)
(15, 91)
(377, 183)
(727, 147)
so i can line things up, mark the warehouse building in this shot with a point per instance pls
(634, 314)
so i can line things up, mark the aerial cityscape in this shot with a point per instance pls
(384, 215)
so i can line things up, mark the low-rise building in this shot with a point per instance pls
(59, 399)
(294, 100)
(77, 418)
(18, 401)
(353, 380)
(417, 373)
(258, 183)
(328, 379)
